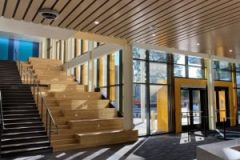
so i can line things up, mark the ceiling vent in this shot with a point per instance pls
(48, 13)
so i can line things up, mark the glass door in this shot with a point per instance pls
(222, 106)
(193, 105)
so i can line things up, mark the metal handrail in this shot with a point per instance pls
(1, 110)
(31, 79)
(48, 110)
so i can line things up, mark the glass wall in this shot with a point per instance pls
(222, 71)
(237, 69)
(108, 78)
(189, 67)
(150, 91)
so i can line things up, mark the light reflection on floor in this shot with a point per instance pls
(121, 153)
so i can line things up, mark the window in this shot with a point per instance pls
(179, 71)
(179, 59)
(222, 71)
(158, 73)
(194, 61)
(139, 71)
(138, 53)
(188, 67)
(237, 70)
(150, 91)
(157, 56)
(108, 78)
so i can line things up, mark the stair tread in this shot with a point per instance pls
(97, 119)
(20, 133)
(24, 123)
(25, 149)
(33, 118)
(27, 127)
(23, 144)
(102, 132)
(22, 138)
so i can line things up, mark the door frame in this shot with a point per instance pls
(204, 109)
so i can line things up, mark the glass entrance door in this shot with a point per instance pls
(193, 105)
(221, 106)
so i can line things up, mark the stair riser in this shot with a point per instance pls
(25, 146)
(17, 104)
(23, 130)
(22, 125)
(21, 116)
(42, 133)
(18, 108)
(24, 120)
(27, 152)
(6, 113)
(6, 142)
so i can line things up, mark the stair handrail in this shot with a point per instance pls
(34, 82)
(48, 111)
(1, 110)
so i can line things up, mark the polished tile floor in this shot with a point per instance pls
(164, 147)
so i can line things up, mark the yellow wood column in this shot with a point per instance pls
(85, 66)
(112, 75)
(162, 109)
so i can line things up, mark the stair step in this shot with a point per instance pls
(93, 139)
(24, 145)
(23, 129)
(23, 134)
(28, 151)
(32, 111)
(19, 108)
(29, 138)
(21, 115)
(22, 124)
(17, 104)
(12, 120)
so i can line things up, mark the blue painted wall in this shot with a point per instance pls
(10, 49)
(3, 48)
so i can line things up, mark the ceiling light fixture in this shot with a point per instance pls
(230, 50)
(48, 13)
(96, 22)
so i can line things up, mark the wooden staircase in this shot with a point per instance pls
(83, 118)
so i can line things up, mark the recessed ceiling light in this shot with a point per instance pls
(96, 22)
(198, 44)
(48, 13)
(153, 35)
(230, 50)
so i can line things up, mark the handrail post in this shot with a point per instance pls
(224, 128)
(205, 130)
(50, 131)
(41, 107)
(188, 126)
(47, 120)
(1, 110)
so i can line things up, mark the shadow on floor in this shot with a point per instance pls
(164, 147)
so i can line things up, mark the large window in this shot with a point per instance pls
(108, 78)
(222, 71)
(237, 69)
(150, 91)
(189, 67)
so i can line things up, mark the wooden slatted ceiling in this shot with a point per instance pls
(136, 20)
